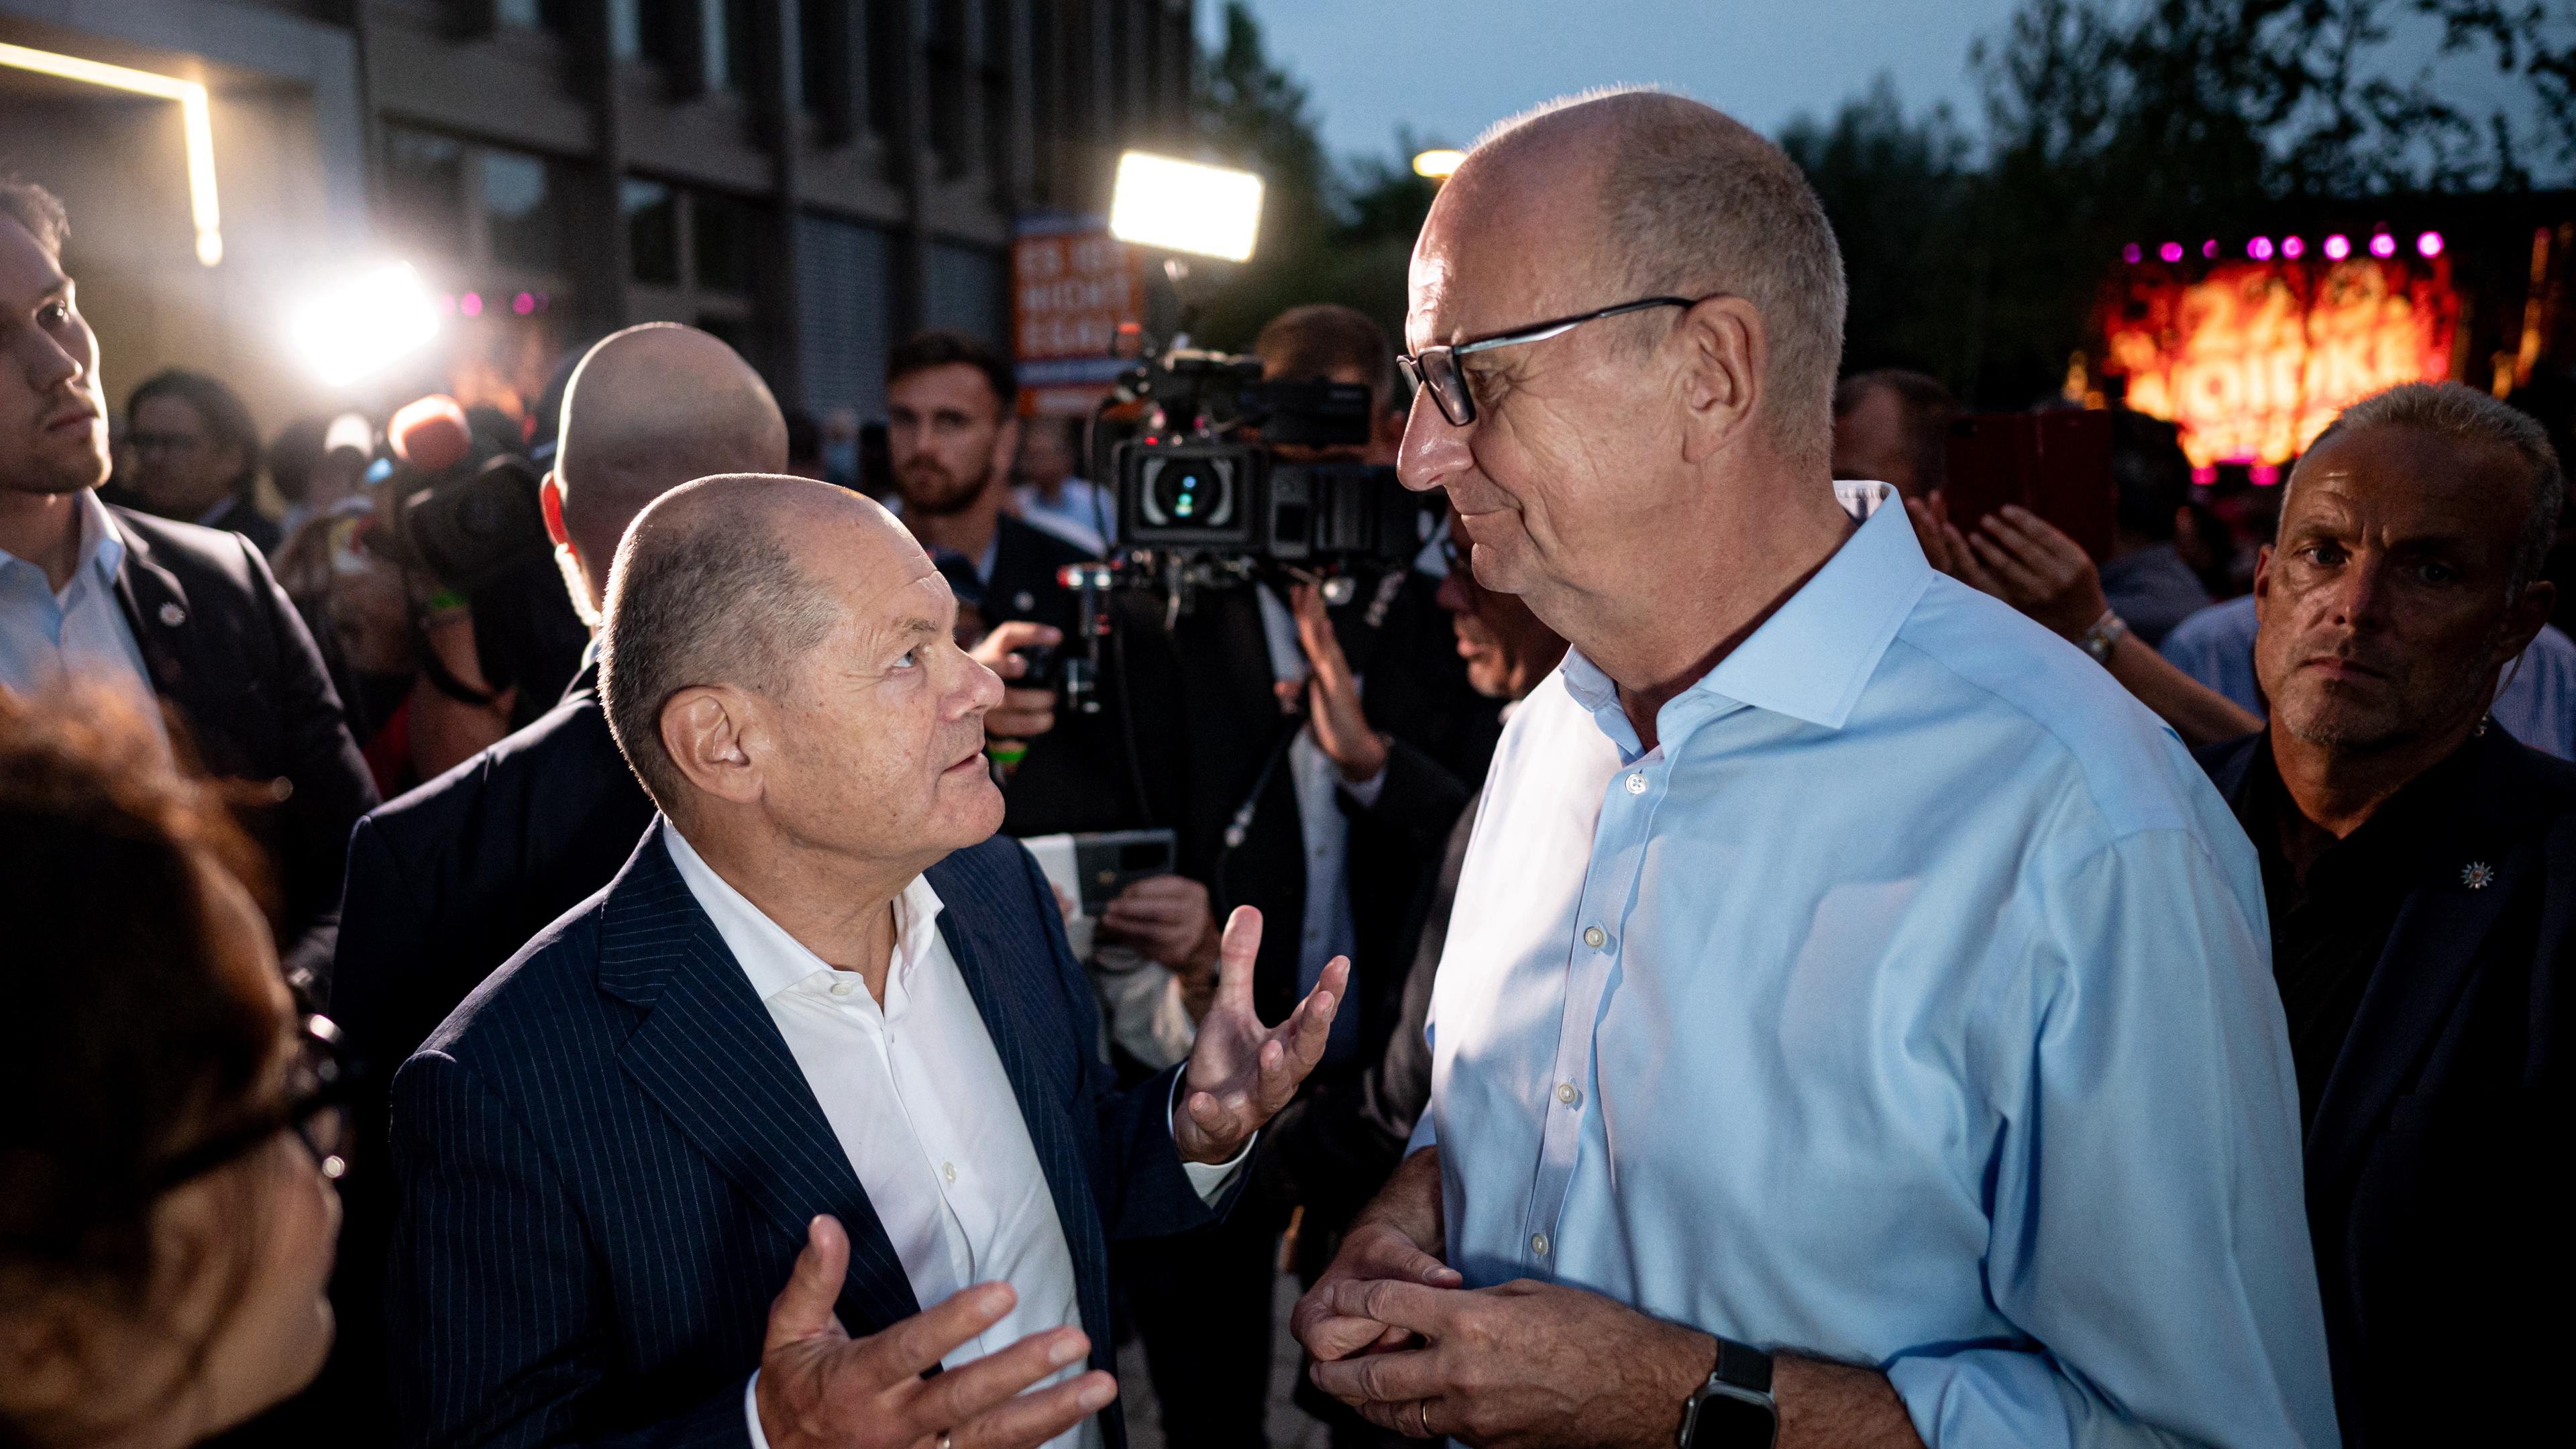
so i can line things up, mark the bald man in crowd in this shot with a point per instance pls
(447, 881)
(1855, 1026)
(822, 1030)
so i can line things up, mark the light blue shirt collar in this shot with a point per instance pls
(102, 548)
(1813, 656)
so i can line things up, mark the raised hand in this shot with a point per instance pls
(1023, 714)
(822, 1389)
(1333, 693)
(1241, 1073)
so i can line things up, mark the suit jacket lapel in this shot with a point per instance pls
(156, 610)
(2427, 962)
(711, 1057)
(1003, 999)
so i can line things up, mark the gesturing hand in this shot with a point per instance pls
(2042, 572)
(1168, 918)
(1241, 1073)
(1333, 692)
(822, 1389)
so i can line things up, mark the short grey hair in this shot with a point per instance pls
(714, 598)
(1699, 203)
(2469, 418)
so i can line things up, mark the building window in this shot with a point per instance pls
(534, 14)
(425, 191)
(966, 292)
(720, 229)
(652, 215)
(626, 29)
(521, 211)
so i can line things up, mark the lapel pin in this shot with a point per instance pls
(2477, 875)
(173, 616)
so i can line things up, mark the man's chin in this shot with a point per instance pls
(56, 476)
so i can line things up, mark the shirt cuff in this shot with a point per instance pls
(1207, 1179)
(751, 1410)
(1367, 791)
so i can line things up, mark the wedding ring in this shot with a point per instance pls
(1422, 1416)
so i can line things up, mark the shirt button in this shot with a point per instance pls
(844, 988)
(1637, 783)
(1566, 1093)
(1538, 1244)
(948, 1170)
(1594, 937)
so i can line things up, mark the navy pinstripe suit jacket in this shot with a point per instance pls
(607, 1156)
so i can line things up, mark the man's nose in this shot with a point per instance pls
(48, 363)
(1434, 450)
(980, 689)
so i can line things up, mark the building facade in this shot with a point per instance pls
(810, 179)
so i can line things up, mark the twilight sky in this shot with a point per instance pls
(1448, 67)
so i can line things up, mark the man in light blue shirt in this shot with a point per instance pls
(50, 637)
(2536, 706)
(1856, 1025)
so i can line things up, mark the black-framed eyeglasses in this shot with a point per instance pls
(315, 1108)
(1436, 368)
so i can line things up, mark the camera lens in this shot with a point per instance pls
(1189, 492)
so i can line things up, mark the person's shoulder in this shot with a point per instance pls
(1049, 547)
(547, 755)
(195, 552)
(2225, 622)
(533, 994)
(1985, 666)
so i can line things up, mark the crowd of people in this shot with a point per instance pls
(1714, 950)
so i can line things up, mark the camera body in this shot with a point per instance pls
(1209, 477)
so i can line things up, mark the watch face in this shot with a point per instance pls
(1725, 1422)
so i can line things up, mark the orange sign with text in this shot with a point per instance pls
(1072, 286)
(2254, 359)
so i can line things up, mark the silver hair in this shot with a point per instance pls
(2465, 416)
(1698, 203)
(709, 602)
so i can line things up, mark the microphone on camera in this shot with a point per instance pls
(431, 433)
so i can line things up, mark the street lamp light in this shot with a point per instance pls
(1437, 164)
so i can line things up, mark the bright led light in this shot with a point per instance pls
(2209, 248)
(2170, 251)
(1181, 206)
(194, 121)
(366, 325)
(2383, 245)
(2260, 249)
(2338, 247)
(1437, 164)
(2130, 254)
(2293, 248)
(2429, 244)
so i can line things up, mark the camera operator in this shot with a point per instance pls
(1311, 760)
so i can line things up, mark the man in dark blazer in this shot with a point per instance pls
(448, 881)
(171, 613)
(2420, 869)
(820, 1007)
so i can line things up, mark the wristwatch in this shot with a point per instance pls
(2104, 636)
(1733, 1410)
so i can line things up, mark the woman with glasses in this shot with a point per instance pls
(169, 1124)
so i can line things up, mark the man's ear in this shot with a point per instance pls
(1724, 349)
(2262, 579)
(550, 503)
(2524, 619)
(713, 735)
(44, 1358)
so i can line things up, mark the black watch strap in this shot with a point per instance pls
(1742, 1365)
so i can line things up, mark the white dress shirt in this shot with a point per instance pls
(921, 1105)
(1909, 1004)
(51, 637)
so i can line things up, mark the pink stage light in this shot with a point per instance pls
(2170, 251)
(2383, 245)
(2429, 244)
(2293, 248)
(523, 304)
(471, 304)
(2204, 476)
(2338, 247)
(2209, 248)
(2131, 253)
(2264, 475)
(2260, 249)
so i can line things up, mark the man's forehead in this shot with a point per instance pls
(949, 384)
(2409, 481)
(1505, 252)
(27, 270)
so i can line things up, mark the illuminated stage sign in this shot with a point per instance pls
(2254, 359)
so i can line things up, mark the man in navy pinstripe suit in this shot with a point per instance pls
(824, 1029)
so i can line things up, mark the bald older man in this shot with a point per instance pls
(1855, 1025)
(444, 883)
(823, 1030)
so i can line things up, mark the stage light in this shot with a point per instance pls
(1437, 164)
(2338, 247)
(2293, 248)
(2170, 251)
(2209, 249)
(2383, 245)
(2203, 476)
(2264, 475)
(524, 303)
(2429, 244)
(366, 325)
(1181, 206)
(2130, 254)
(471, 304)
(2260, 249)
(195, 123)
